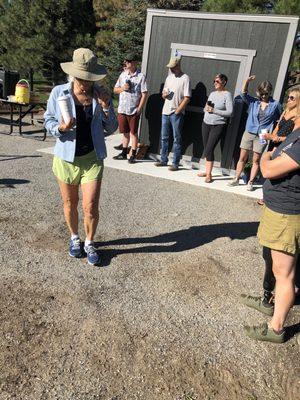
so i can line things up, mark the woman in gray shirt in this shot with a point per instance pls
(217, 110)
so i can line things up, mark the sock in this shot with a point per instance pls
(87, 242)
(124, 151)
(73, 237)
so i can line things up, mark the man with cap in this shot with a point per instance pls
(176, 93)
(80, 146)
(132, 88)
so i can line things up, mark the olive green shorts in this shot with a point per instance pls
(279, 231)
(84, 169)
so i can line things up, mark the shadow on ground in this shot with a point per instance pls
(10, 182)
(178, 241)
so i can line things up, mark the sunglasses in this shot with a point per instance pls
(264, 94)
(217, 81)
(291, 98)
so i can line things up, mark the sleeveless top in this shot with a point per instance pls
(285, 127)
(84, 141)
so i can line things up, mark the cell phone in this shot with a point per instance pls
(210, 103)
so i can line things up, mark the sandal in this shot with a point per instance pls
(260, 202)
(208, 179)
(201, 174)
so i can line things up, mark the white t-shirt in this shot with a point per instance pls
(179, 87)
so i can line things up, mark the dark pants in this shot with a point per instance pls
(269, 278)
(211, 135)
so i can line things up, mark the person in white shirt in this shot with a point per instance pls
(176, 93)
(132, 88)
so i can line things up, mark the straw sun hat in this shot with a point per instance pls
(84, 66)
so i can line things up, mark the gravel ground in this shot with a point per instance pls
(161, 319)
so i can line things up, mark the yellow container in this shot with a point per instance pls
(22, 93)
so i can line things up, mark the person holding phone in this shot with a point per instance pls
(176, 94)
(216, 113)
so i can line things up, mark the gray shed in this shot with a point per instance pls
(237, 45)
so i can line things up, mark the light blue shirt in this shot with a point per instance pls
(66, 142)
(271, 115)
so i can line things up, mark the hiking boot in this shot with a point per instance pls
(265, 333)
(75, 248)
(92, 255)
(160, 164)
(173, 168)
(131, 160)
(233, 182)
(258, 304)
(120, 156)
(250, 187)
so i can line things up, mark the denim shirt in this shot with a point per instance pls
(272, 114)
(66, 142)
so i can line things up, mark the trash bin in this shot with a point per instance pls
(8, 81)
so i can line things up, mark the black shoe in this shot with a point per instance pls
(160, 164)
(120, 147)
(120, 156)
(132, 160)
(173, 168)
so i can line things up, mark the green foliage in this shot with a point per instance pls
(238, 6)
(129, 29)
(40, 34)
(287, 7)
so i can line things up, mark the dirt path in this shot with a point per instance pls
(160, 320)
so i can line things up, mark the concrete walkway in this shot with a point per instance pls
(186, 174)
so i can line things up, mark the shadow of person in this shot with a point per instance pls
(153, 115)
(192, 128)
(291, 331)
(10, 182)
(178, 241)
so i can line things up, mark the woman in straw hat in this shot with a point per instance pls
(80, 147)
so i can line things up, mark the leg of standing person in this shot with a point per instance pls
(177, 124)
(125, 130)
(205, 128)
(165, 134)
(90, 205)
(133, 124)
(264, 304)
(69, 194)
(214, 137)
(254, 169)
(284, 271)
(240, 167)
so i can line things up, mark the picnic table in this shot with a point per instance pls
(22, 113)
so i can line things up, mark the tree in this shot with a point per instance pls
(40, 34)
(237, 6)
(287, 7)
(104, 14)
(129, 24)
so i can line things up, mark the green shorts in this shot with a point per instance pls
(84, 169)
(279, 231)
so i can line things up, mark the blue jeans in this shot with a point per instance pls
(172, 122)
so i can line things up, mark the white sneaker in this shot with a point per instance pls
(234, 182)
(250, 187)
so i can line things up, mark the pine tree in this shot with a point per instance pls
(40, 34)
(129, 24)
